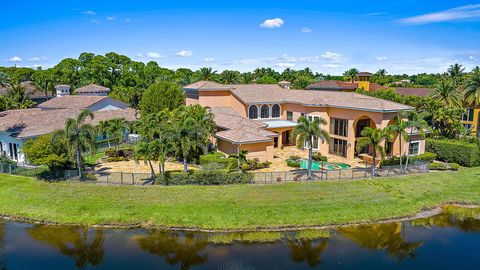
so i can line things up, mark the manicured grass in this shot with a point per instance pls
(238, 206)
(92, 159)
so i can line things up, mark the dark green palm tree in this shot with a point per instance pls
(247, 78)
(373, 137)
(446, 91)
(306, 132)
(241, 157)
(472, 92)
(5, 80)
(80, 137)
(400, 129)
(206, 74)
(43, 80)
(456, 71)
(116, 127)
(351, 74)
(103, 128)
(18, 97)
(230, 77)
(144, 151)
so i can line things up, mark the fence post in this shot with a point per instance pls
(10, 169)
(339, 174)
(133, 179)
(265, 177)
(107, 178)
(121, 178)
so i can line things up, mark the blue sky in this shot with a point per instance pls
(403, 36)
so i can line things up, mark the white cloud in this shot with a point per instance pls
(89, 12)
(381, 58)
(15, 59)
(285, 65)
(330, 65)
(305, 30)
(94, 21)
(184, 53)
(37, 59)
(209, 59)
(110, 18)
(128, 20)
(155, 55)
(333, 57)
(471, 57)
(454, 14)
(272, 23)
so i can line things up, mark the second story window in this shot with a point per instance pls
(265, 111)
(468, 116)
(253, 112)
(275, 111)
(339, 127)
(289, 116)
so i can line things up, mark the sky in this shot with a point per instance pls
(402, 36)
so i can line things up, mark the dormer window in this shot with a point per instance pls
(275, 111)
(265, 111)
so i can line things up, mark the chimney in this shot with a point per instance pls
(62, 90)
(285, 84)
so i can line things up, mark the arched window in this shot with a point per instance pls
(253, 112)
(275, 111)
(265, 111)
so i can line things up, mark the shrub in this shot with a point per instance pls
(295, 158)
(255, 164)
(317, 156)
(116, 159)
(454, 166)
(204, 178)
(230, 164)
(437, 166)
(427, 156)
(465, 154)
(111, 152)
(293, 163)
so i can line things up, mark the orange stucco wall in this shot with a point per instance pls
(221, 99)
(263, 150)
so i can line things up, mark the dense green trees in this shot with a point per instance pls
(161, 96)
(48, 150)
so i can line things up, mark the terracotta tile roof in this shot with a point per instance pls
(204, 85)
(375, 87)
(332, 85)
(71, 102)
(238, 129)
(31, 91)
(33, 122)
(410, 91)
(363, 73)
(92, 88)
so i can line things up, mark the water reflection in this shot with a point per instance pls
(185, 249)
(449, 220)
(307, 250)
(75, 242)
(3, 253)
(387, 237)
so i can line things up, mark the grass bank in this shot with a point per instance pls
(238, 206)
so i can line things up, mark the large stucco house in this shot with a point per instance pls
(17, 126)
(260, 117)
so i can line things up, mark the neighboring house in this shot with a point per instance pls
(261, 117)
(17, 126)
(32, 92)
(470, 119)
(362, 82)
(92, 90)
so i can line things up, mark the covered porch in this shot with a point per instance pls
(284, 130)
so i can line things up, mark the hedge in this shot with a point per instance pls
(219, 158)
(204, 178)
(465, 154)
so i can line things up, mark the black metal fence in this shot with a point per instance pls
(121, 178)
(38, 172)
(340, 174)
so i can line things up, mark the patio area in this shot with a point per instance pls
(281, 155)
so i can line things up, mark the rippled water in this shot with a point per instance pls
(441, 242)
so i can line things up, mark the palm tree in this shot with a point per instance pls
(306, 132)
(144, 150)
(456, 71)
(103, 128)
(373, 137)
(351, 74)
(400, 128)
(19, 98)
(116, 127)
(44, 82)
(247, 78)
(230, 77)
(476, 69)
(381, 73)
(472, 92)
(241, 157)
(80, 136)
(5, 80)
(415, 122)
(446, 91)
(206, 73)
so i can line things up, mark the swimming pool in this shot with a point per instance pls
(317, 165)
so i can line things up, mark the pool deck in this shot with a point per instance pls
(281, 155)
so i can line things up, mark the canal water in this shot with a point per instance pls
(441, 242)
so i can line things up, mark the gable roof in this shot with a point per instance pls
(33, 122)
(92, 88)
(71, 102)
(205, 85)
(238, 129)
(333, 85)
(410, 91)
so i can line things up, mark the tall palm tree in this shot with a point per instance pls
(351, 74)
(5, 80)
(19, 98)
(446, 91)
(472, 92)
(306, 132)
(381, 73)
(117, 126)
(456, 71)
(103, 128)
(373, 137)
(229, 77)
(206, 73)
(43, 81)
(247, 78)
(400, 129)
(80, 136)
(476, 69)
(415, 122)
(144, 150)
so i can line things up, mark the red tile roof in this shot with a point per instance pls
(410, 91)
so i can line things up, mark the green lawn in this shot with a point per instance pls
(238, 206)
